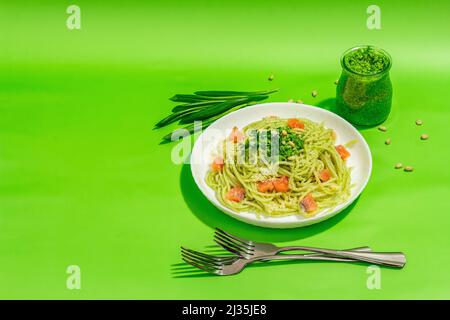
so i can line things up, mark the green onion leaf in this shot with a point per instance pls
(174, 117)
(213, 110)
(186, 106)
(233, 93)
(197, 98)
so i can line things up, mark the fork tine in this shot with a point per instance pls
(215, 258)
(199, 256)
(229, 235)
(208, 256)
(214, 271)
(231, 249)
(200, 259)
(208, 259)
(231, 243)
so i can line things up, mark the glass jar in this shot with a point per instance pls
(364, 95)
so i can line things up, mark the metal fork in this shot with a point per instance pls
(188, 253)
(251, 249)
(232, 265)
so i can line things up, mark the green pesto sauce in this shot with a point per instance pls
(290, 143)
(366, 61)
(364, 90)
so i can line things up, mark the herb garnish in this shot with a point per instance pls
(289, 142)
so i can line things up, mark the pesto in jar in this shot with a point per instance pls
(364, 90)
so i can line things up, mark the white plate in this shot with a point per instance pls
(208, 141)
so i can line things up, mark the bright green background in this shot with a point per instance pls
(83, 180)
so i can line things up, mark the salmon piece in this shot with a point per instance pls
(236, 135)
(217, 164)
(295, 123)
(342, 152)
(325, 175)
(265, 186)
(281, 184)
(308, 203)
(236, 194)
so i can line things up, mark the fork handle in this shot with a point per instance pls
(312, 256)
(299, 257)
(315, 254)
(391, 259)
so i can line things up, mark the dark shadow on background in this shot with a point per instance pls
(330, 105)
(213, 217)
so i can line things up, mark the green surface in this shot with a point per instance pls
(84, 182)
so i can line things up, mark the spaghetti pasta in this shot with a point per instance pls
(300, 171)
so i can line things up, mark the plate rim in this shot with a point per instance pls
(280, 224)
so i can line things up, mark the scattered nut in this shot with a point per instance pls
(398, 165)
(382, 128)
(284, 133)
(408, 169)
(424, 136)
(300, 101)
(292, 144)
(419, 122)
(291, 100)
(314, 93)
(388, 141)
(271, 77)
(283, 142)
